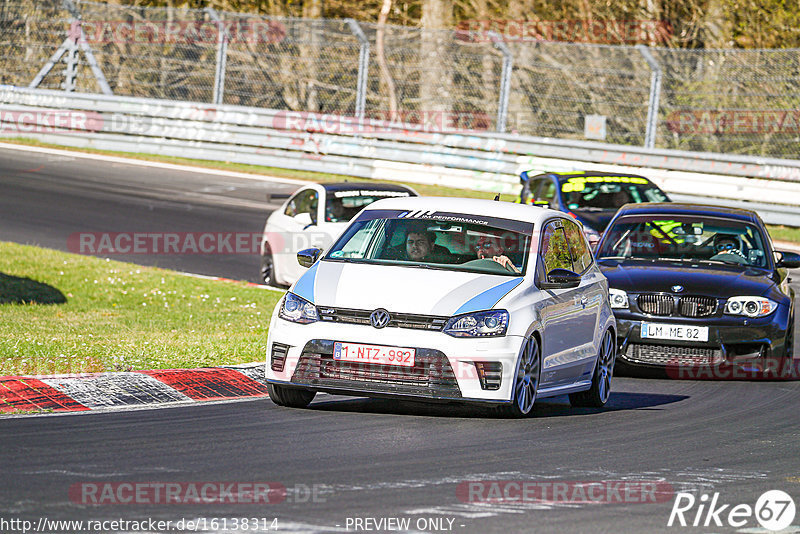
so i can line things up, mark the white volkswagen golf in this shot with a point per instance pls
(451, 300)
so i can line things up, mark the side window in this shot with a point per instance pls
(546, 191)
(303, 202)
(581, 255)
(555, 250)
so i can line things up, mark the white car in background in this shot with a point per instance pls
(447, 299)
(314, 216)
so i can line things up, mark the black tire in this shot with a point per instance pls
(597, 395)
(290, 397)
(526, 381)
(788, 344)
(268, 267)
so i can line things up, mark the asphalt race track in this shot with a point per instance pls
(350, 464)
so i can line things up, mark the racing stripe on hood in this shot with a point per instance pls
(326, 291)
(490, 297)
(480, 289)
(305, 285)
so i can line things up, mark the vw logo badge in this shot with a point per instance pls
(379, 318)
(677, 289)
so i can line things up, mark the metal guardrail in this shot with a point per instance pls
(386, 150)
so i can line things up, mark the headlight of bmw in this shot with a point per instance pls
(617, 298)
(298, 310)
(490, 323)
(750, 306)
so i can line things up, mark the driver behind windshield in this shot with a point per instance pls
(490, 248)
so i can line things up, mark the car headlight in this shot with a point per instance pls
(478, 324)
(298, 310)
(750, 306)
(617, 298)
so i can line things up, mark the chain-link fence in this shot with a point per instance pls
(733, 101)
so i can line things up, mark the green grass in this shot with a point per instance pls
(66, 313)
(784, 233)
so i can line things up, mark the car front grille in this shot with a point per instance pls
(689, 306)
(431, 375)
(655, 304)
(396, 320)
(672, 355)
(698, 306)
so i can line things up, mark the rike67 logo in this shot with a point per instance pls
(774, 510)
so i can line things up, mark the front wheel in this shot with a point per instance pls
(267, 267)
(289, 397)
(597, 395)
(526, 382)
(789, 342)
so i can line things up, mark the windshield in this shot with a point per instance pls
(685, 238)
(609, 192)
(449, 241)
(341, 206)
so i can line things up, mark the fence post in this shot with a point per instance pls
(655, 96)
(363, 67)
(222, 56)
(75, 40)
(505, 81)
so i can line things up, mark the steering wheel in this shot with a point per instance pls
(488, 262)
(733, 254)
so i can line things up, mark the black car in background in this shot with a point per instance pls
(697, 286)
(591, 197)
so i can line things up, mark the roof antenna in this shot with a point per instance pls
(497, 197)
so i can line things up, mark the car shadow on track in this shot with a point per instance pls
(551, 407)
(18, 290)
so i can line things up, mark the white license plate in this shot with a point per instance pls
(677, 332)
(376, 354)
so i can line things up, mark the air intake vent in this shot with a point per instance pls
(278, 359)
(490, 374)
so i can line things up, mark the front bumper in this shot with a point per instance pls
(732, 341)
(445, 367)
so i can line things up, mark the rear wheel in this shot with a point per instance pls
(267, 267)
(290, 397)
(526, 382)
(598, 394)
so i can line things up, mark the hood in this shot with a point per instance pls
(401, 289)
(699, 279)
(596, 220)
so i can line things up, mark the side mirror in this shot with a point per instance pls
(561, 279)
(305, 219)
(308, 256)
(789, 260)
